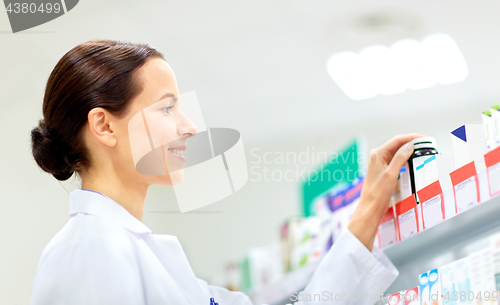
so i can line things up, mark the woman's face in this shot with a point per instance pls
(155, 127)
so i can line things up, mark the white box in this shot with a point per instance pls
(407, 218)
(432, 204)
(412, 296)
(463, 281)
(495, 118)
(387, 234)
(489, 131)
(465, 187)
(492, 162)
(482, 275)
(469, 144)
(448, 284)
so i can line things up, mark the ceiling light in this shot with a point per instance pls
(408, 64)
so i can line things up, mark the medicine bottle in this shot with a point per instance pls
(423, 164)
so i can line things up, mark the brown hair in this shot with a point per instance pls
(98, 73)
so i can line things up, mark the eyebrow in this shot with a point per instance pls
(169, 94)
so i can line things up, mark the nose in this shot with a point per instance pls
(185, 127)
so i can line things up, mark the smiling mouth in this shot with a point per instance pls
(176, 152)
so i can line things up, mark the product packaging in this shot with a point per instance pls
(488, 130)
(465, 187)
(227, 276)
(495, 118)
(322, 207)
(288, 231)
(404, 182)
(463, 280)
(403, 186)
(430, 288)
(456, 283)
(343, 203)
(449, 284)
(492, 162)
(483, 277)
(412, 296)
(407, 218)
(423, 163)
(446, 165)
(495, 249)
(449, 203)
(398, 298)
(432, 204)
(469, 144)
(264, 266)
(423, 168)
(387, 234)
(324, 239)
(304, 239)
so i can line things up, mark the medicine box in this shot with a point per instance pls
(465, 187)
(469, 144)
(387, 233)
(492, 162)
(407, 217)
(432, 204)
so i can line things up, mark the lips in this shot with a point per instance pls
(177, 151)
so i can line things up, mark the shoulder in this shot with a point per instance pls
(88, 257)
(90, 233)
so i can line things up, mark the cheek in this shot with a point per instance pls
(162, 129)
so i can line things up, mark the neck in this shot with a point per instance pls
(128, 194)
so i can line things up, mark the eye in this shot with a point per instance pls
(167, 109)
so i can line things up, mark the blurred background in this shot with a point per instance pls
(259, 67)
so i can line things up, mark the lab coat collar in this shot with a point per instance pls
(94, 203)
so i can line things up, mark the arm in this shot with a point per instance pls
(380, 182)
(348, 274)
(351, 272)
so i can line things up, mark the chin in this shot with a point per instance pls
(171, 179)
(177, 177)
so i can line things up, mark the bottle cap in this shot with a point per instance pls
(425, 142)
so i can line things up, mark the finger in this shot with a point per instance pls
(400, 158)
(389, 148)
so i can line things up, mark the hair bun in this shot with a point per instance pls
(51, 153)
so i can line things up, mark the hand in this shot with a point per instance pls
(379, 185)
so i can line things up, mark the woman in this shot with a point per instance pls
(105, 254)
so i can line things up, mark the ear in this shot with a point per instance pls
(101, 127)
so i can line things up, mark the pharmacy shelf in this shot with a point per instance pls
(460, 229)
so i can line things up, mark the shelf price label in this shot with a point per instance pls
(406, 211)
(432, 204)
(465, 187)
(387, 234)
(492, 161)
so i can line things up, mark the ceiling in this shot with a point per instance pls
(258, 67)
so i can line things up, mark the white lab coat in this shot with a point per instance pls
(105, 256)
